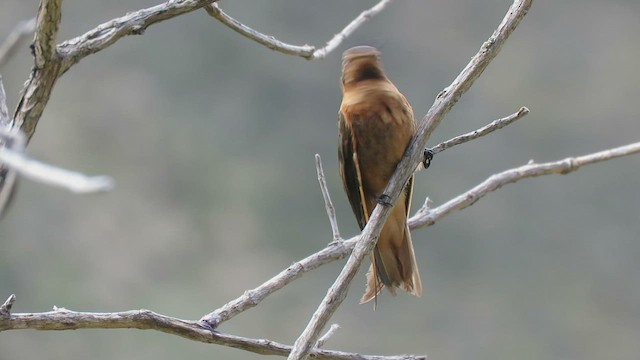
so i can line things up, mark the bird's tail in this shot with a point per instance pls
(393, 263)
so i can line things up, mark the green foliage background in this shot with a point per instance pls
(211, 138)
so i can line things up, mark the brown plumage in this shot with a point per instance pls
(376, 125)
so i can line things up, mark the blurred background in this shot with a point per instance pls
(211, 139)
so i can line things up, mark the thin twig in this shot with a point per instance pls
(55, 176)
(63, 319)
(349, 29)
(270, 42)
(324, 338)
(491, 127)
(331, 211)
(461, 139)
(251, 298)
(444, 102)
(5, 120)
(16, 37)
(427, 216)
(7, 175)
(306, 51)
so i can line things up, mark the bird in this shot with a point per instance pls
(375, 126)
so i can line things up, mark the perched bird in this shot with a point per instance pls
(376, 125)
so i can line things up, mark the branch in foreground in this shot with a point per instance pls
(306, 51)
(7, 175)
(444, 102)
(427, 217)
(15, 38)
(55, 176)
(63, 319)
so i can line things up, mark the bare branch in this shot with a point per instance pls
(272, 43)
(331, 211)
(251, 298)
(426, 216)
(491, 127)
(38, 88)
(444, 102)
(324, 338)
(63, 319)
(19, 33)
(306, 51)
(5, 308)
(134, 23)
(349, 29)
(55, 176)
(5, 120)
(47, 23)
(7, 175)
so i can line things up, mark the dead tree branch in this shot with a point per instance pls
(306, 51)
(63, 319)
(427, 217)
(489, 128)
(444, 102)
(328, 204)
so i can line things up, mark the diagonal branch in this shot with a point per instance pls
(328, 204)
(444, 102)
(38, 88)
(306, 51)
(489, 128)
(7, 175)
(47, 24)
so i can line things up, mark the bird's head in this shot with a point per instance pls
(361, 63)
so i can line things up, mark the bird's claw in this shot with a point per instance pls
(384, 200)
(428, 156)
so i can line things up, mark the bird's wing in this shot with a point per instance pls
(350, 171)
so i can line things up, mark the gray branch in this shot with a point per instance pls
(306, 51)
(489, 128)
(444, 102)
(63, 319)
(328, 204)
(427, 216)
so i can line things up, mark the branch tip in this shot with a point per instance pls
(5, 309)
